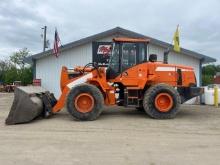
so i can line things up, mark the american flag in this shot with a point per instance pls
(57, 43)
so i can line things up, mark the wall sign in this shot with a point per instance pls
(101, 52)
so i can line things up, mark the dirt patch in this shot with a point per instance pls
(119, 136)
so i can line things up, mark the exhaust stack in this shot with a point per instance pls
(165, 56)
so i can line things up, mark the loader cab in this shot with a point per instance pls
(126, 53)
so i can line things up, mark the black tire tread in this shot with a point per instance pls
(99, 102)
(148, 102)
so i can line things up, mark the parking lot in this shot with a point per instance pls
(119, 136)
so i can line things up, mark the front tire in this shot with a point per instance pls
(85, 102)
(161, 101)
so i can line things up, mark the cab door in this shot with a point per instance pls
(128, 61)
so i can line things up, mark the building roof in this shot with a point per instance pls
(132, 40)
(125, 32)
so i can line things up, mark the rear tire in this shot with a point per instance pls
(161, 101)
(85, 102)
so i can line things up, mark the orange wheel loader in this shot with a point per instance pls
(131, 79)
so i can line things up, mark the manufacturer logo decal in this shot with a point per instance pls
(104, 49)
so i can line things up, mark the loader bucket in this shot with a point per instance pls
(27, 105)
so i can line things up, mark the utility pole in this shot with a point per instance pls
(45, 38)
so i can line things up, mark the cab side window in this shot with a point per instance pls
(142, 53)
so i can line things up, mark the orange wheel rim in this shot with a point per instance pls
(163, 102)
(84, 102)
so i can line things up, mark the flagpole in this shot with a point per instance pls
(165, 58)
(45, 38)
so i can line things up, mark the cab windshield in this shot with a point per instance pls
(114, 59)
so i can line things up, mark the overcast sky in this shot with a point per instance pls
(21, 21)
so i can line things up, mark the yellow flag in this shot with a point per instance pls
(176, 40)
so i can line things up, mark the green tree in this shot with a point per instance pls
(3, 69)
(208, 73)
(26, 75)
(209, 70)
(207, 79)
(17, 57)
(11, 75)
(15, 69)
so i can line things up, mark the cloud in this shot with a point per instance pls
(21, 21)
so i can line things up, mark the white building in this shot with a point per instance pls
(78, 53)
